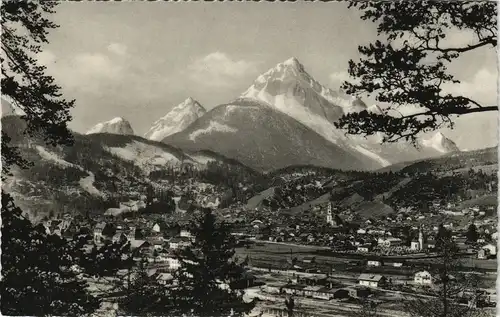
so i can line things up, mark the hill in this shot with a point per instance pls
(102, 171)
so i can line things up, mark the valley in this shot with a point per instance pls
(306, 204)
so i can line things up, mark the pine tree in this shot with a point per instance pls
(290, 306)
(472, 234)
(106, 260)
(24, 84)
(409, 62)
(207, 269)
(37, 276)
(144, 295)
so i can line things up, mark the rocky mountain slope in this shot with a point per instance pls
(176, 120)
(116, 125)
(102, 170)
(265, 139)
(289, 92)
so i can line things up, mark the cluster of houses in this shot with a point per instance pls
(155, 241)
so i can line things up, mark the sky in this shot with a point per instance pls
(138, 60)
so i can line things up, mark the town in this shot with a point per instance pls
(305, 159)
(318, 257)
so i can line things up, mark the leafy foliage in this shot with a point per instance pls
(159, 201)
(472, 234)
(410, 66)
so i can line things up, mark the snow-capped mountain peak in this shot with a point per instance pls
(288, 85)
(294, 63)
(441, 143)
(176, 120)
(288, 88)
(116, 125)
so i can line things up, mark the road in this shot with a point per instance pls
(316, 307)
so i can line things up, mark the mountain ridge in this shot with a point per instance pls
(288, 89)
(117, 125)
(176, 120)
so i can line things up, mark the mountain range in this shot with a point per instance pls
(284, 118)
(287, 118)
(99, 169)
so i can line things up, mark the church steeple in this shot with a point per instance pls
(329, 216)
(421, 238)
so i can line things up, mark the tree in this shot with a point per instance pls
(24, 83)
(453, 290)
(290, 306)
(106, 260)
(472, 234)
(207, 269)
(368, 308)
(144, 295)
(37, 270)
(37, 276)
(410, 66)
(443, 235)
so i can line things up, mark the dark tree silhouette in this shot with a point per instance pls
(106, 260)
(144, 295)
(290, 306)
(37, 276)
(410, 66)
(207, 269)
(24, 84)
(368, 308)
(472, 233)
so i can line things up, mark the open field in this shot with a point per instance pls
(277, 255)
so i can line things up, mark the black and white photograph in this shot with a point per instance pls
(249, 158)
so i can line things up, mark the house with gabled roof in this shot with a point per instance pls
(423, 278)
(371, 280)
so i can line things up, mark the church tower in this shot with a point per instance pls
(329, 217)
(420, 238)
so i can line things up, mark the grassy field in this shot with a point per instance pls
(279, 256)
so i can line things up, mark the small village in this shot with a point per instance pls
(378, 258)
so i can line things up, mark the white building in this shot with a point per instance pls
(374, 263)
(173, 263)
(492, 249)
(179, 243)
(415, 245)
(371, 280)
(389, 242)
(364, 248)
(419, 244)
(423, 278)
